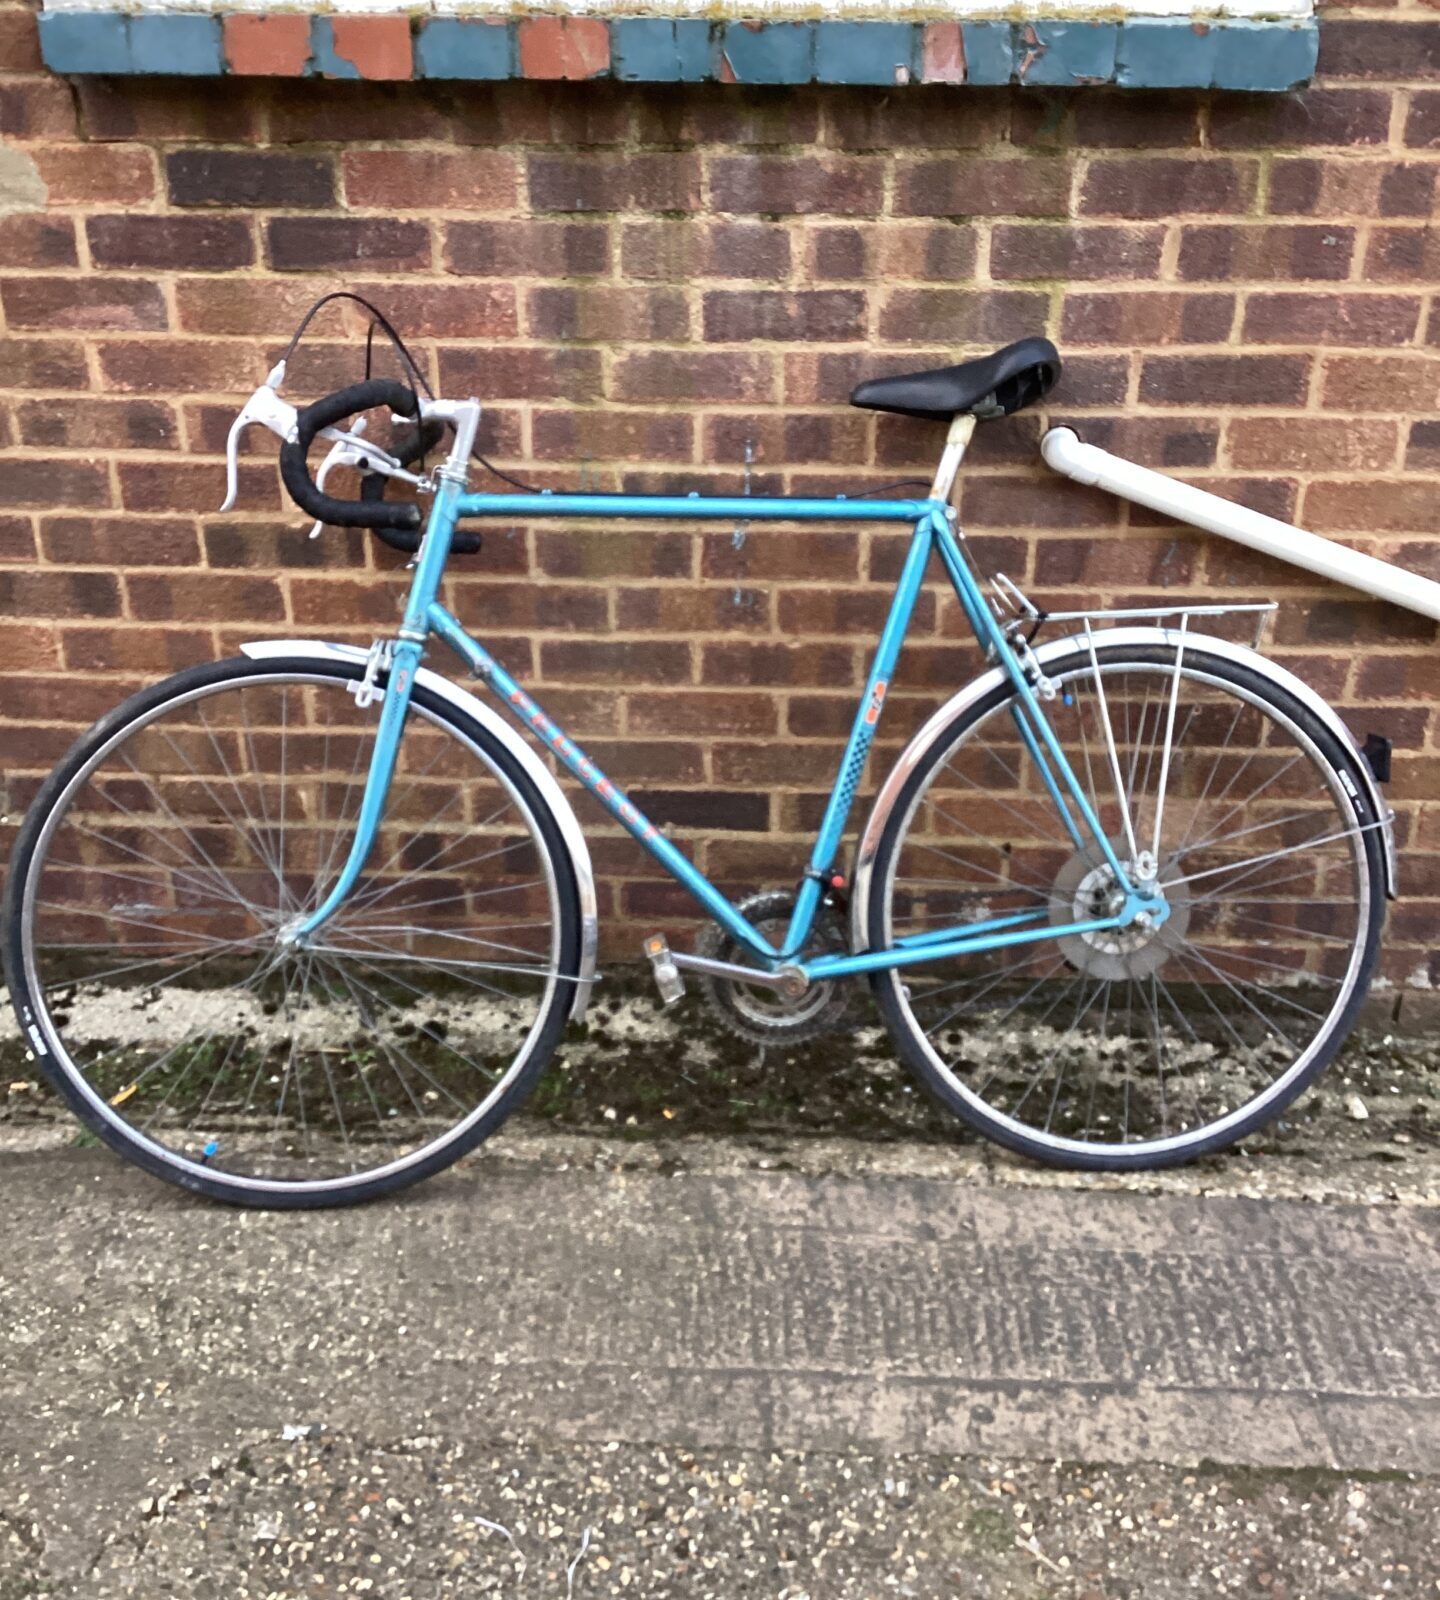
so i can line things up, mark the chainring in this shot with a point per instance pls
(765, 1016)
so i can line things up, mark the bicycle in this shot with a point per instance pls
(302, 927)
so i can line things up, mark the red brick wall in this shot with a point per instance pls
(646, 282)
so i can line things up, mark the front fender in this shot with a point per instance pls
(535, 769)
(1045, 654)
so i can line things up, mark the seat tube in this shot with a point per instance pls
(862, 731)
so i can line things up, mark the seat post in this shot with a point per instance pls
(962, 425)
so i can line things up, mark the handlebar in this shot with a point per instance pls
(383, 517)
(394, 523)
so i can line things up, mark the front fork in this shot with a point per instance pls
(404, 661)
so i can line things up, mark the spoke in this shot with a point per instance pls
(980, 788)
(1269, 1023)
(375, 1032)
(220, 891)
(1253, 863)
(134, 966)
(1210, 776)
(248, 834)
(434, 1038)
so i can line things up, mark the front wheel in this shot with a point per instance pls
(1134, 1047)
(145, 906)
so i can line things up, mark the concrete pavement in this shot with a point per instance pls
(145, 1331)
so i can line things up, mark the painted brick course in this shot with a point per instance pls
(673, 285)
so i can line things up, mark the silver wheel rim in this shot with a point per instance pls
(327, 956)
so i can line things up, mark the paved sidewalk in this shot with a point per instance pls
(145, 1331)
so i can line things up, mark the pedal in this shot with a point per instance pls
(667, 975)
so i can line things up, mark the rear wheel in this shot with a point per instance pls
(143, 914)
(1135, 1047)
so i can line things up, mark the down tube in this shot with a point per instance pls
(616, 802)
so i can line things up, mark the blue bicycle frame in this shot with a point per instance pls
(933, 530)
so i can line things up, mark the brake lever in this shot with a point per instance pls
(343, 453)
(267, 408)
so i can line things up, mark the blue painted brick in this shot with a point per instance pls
(661, 49)
(775, 52)
(865, 52)
(186, 46)
(989, 51)
(1265, 55)
(459, 47)
(1166, 53)
(323, 60)
(1068, 53)
(84, 41)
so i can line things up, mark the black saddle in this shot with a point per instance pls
(992, 386)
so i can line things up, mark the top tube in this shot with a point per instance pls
(722, 508)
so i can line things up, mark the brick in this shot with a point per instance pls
(1361, 48)
(675, 608)
(204, 597)
(1310, 444)
(17, 540)
(939, 252)
(75, 424)
(1330, 319)
(856, 120)
(119, 542)
(19, 40)
(248, 178)
(611, 435)
(1422, 123)
(642, 182)
(1161, 186)
(469, 48)
(583, 660)
(1223, 253)
(989, 186)
(1371, 506)
(524, 248)
(1323, 115)
(36, 108)
(962, 316)
(187, 46)
(374, 48)
(663, 375)
(431, 180)
(251, 305)
(1402, 255)
(48, 593)
(1147, 317)
(73, 176)
(181, 366)
(701, 713)
(622, 551)
(53, 481)
(563, 47)
(681, 251)
(448, 310)
(533, 373)
(197, 244)
(1021, 251)
(611, 314)
(1407, 189)
(734, 315)
(267, 46)
(152, 109)
(1241, 379)
(839, 254)
(1422, 449)
(797, 185)
(1381, 383)
(303, 244)
(767, 52)
(743, 117)
(117, 304)
(1134, 119)
(862, 52)
(136, 649)
(42, 364)
(35, 240)
(942, 53)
